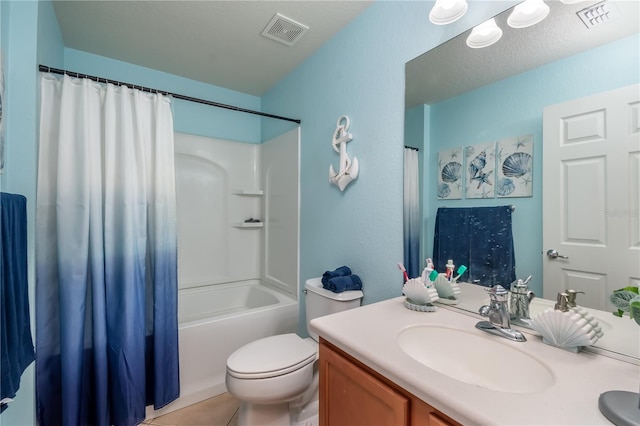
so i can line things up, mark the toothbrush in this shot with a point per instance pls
(461, 270)
(404, 271)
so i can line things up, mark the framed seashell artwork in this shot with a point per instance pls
(481, 164)
(514, 175)
(450, 174)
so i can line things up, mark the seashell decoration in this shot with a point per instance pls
(447, 289)
(584, 313)
(566, 330)
(428, 307)
(451, 172)
(478, 163)
(443, 190)
(418, 293)
(516, 164)
(505, 187)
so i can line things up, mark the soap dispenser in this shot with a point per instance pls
(571, 297)
(563, 327)
(562, 302)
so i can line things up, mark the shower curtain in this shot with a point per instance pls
(106, 252)
(411, 209)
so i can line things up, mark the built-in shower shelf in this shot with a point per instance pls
(255, 192)
(248, 225)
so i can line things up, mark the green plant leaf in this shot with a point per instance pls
(634, 309)
(632, 289)
(621, 299)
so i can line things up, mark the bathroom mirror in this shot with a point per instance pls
(452, 71)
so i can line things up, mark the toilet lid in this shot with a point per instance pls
(271, 356)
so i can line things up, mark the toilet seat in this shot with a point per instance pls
(270, 357)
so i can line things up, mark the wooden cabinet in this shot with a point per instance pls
(352, 394)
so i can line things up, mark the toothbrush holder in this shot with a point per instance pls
(447, 289)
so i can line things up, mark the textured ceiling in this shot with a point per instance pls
(216, 42)
(453, 68)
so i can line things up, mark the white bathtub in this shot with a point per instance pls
(216, 320)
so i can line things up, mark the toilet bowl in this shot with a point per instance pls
(276, 377)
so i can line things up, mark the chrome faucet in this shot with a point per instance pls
(498, 313)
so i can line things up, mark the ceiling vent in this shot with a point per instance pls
(598, 14)
(284, 30)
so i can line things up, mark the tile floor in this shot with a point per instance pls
(221, 410)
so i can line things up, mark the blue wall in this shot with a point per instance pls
(513, 107)
(189, 117)
(360, 73)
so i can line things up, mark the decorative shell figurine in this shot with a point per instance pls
(418, 293)
(447, 289)
(566, 330)
(589, 318)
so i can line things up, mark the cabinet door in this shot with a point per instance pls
(422, 414)
(352, 397)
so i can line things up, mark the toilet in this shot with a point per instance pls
(276, 377)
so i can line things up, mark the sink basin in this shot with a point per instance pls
(476, 360)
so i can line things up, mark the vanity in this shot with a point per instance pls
(385, 364)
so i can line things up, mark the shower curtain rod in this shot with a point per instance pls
(43, 68)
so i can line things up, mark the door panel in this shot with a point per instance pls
(591, 201)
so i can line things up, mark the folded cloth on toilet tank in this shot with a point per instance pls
(338, 272)
(344, 283)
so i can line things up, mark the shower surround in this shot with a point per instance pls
(238, 227)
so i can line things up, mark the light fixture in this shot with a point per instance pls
(447, 11)
(484, 34)
(528, 13)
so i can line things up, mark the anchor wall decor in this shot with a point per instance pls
(348, 169)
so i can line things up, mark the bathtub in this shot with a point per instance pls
(216, 320)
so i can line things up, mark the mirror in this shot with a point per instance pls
(506, 86)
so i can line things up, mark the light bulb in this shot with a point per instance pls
(528, 13)
(447, 11)
(484, 35)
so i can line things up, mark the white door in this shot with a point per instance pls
(591, 201)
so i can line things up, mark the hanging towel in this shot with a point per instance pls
(16, 345)
(344, 283)
(480, 238)
(338, 272)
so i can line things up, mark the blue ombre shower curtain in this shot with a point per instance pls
(411, 209)
(106, 253)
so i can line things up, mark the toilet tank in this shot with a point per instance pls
(320, 302)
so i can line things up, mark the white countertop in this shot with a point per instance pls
(369, 334)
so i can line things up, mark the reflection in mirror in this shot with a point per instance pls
(458, 97)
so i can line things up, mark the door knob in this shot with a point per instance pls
(553, 254)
